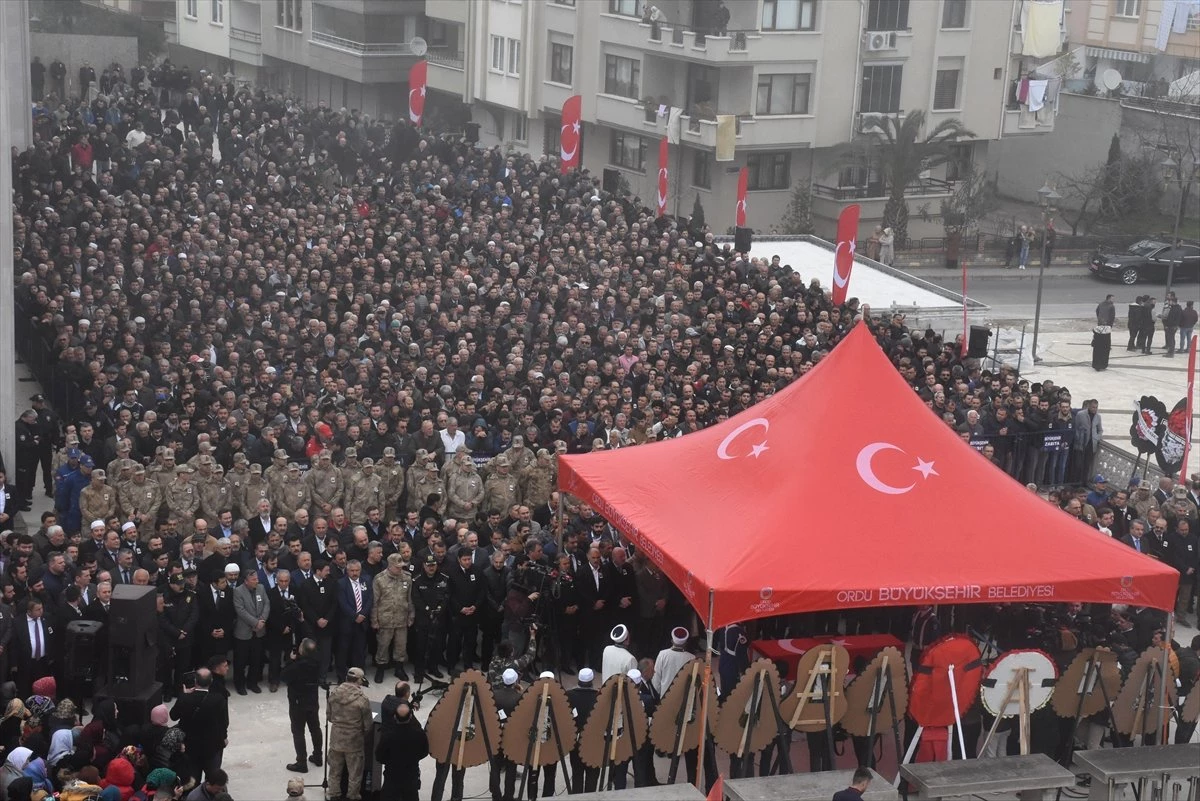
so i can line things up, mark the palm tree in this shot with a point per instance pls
(902, 155)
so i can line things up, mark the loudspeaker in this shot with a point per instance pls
(133, 616)
(472, 133)
(977, 342)
(610, 181)
(742, 238)
(134, 708)
(82, 656)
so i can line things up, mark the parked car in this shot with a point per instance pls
(1148, 260)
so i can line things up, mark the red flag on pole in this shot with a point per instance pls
(570, 134)
(416, 91)
(966, 332)
(663, 174)
(1191, 394)
(717, 793)
(843, 255)
(739, 216)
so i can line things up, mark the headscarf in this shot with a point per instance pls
(46, 686)
(15, 708)
(39, 706)
(62, 744)
(172, 741)
(36, 769)
(20, 789)
(66, 711)
(19, 758)
(110, 793)
(162, 777)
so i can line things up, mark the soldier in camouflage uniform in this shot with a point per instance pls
(325, 484)
(276, 474)
(427, 481)
(216, 495)
(204, 449)
(236, 478)
(162, 469)
(464, 487)
(182, 499)
(500, 489)
(60, 456)
(350, 465)
(519, 457)
(124, 475)
(140, 501)
(293, 493)
(537, 482)
(391, 615)
(366, 492)
(392, 473)
(97, 501)
(255, 489)
(124, 448)
(416, 471)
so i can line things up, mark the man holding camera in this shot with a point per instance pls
(303, 677)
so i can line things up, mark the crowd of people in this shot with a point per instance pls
(312, 373)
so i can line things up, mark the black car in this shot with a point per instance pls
(1148, 260)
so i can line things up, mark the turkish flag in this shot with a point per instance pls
(717, 793)
(663, 174)
(843, 255)
(739, 215)
(570, 135)
(416, 91)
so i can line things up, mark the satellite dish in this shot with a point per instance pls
(1111, 79)
(418, 47)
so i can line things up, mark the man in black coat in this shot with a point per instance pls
(318, 604)
(34, 646)
(283, 626)
(466, 605)
(400, 751)
(594, 585)
(583, 701)
(214, 628)
(203, 714)
(303, 676)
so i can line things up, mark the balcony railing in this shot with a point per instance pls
(700, 36)
(361, 48)
(871, 121)
(243, 35)
(445, 57)
(878, 191)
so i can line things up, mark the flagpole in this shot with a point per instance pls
(704, 694)
(1187, 414)
(965, 334)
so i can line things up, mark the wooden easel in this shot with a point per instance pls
(543, 720)
(882, 687)
(752, 716)
(686, 713)
(620, 707)
(820, 686)
(1018, 685)
(1090, 682)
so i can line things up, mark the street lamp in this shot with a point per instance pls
(1173, 174)
(1047, 197)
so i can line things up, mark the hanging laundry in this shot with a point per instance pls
(1165, 20)
(1184, 10)
(1053, 87)
(1023, 90)
(1041, 28)
(1037, 95)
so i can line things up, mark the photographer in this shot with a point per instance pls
(204, 717)
(520, 603)
(303, 677)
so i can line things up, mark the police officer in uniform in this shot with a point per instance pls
(51, 435)
(29, 453)
(431, 590)
(180, 615)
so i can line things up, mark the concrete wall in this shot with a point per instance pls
(15, 56)
(1082, 132)
(75, 48)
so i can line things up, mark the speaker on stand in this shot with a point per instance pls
(977, 342)
(742, 238)
(133, 652)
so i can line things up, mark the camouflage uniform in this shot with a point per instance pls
(500, 489)
(348, 713)
(519, 457)
(293, 493)
(422, 481)
(464, 488)
(143, 497)
(97, 501)
(537, 482)
(182, 499)
(114, 467)
(325, 485)
(364, 493)
(255, 489)
(392, 613)
(236, 478)
(392, 473)
(276, 474)
(162, 469)
(215, 496)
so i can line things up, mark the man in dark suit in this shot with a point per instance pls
(283, 625)
(214, 631)
(34, 646)
(465, 603)
(355, 598)
(98, 610)
(318, 604)
(592, 582)
(10, 504)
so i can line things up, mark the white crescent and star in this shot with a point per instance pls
(564, 154)
(867, 472)
(662, 179)
(838, 278)
(755, 450)
(741, 207)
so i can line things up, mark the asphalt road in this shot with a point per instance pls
(1063, 299)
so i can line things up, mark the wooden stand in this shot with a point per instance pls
(1018, 686)
(544, 720)
(883, 687)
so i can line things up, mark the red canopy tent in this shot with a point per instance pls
(843, 490)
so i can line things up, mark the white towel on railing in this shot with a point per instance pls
(1037, 95)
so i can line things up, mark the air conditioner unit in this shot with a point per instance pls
(881, 40)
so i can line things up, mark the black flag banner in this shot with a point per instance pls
(1149, 422)
(1171, 444)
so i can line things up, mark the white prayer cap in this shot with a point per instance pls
(97, 524)
(232, 568)
(546, 674)
(586, 675)
(619, 634)
(635, 676)
(510, 677)
(679, 635)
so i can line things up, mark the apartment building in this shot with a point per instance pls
(1151, 47)
(345, 53)
(800, 76)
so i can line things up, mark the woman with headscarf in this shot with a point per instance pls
(171, 754)
(35, 769)
(14, 768)
(21, 789)
(15, 715)
(100, 740)
(62, 746)
(120, 775)
(152, 733)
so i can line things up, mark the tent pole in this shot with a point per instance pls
(1165, 674)
(559, 515)
(704, 696)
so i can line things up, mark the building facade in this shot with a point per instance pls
(1147, 48)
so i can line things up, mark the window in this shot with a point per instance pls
(622, 76)
(218, 12)
(626, 8)
(769, 171)
(881, 88)
(701, 170)
(514, 57)
(190, 10)
(288, 14)
(954, 13)
(497, 53)
(570, 3)
(887, 15)
(789, 15)
(628, 151)
(783, 94)
(959, 163)
(520, 127)
(562, 58)
(1129, 8)
(945, 87)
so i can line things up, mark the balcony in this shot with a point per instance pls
(364, 62)
(790, 131)
(444, 57)
(869, 122)
(245, 46)
(626, 113)
(447, 70)
(1022, 121)
(449, 10)
(682, 41)
(828, 201)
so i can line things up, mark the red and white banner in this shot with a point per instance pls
(416, 91)
(570, 134)
(843, 255)
(1188, 405)
(739, 216)
(663, 175)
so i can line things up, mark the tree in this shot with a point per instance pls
(797, 217)
(1118, 188)
(902, 154)
(975, 196)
